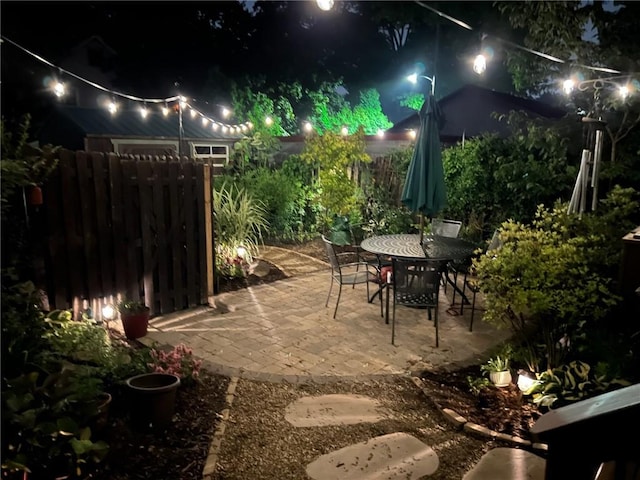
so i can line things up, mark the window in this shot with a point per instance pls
(218, 153)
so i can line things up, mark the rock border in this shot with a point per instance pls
(461, 423)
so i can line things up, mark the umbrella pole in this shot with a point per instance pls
(421, 227)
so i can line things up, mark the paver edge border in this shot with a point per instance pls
(461, 423)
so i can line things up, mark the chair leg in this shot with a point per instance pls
(337, 301)
(435, 321)
(393, 324)
(386, 316)
(455, 282)
(328, 296)
(473, 310)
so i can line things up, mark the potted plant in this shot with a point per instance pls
(134, 315)
(498, 369)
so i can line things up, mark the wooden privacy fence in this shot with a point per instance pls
(116, 228)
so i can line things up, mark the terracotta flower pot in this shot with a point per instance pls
(135, 324)
(153, 398)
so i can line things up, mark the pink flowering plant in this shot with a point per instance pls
(179, 361)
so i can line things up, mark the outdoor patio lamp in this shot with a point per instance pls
(413, 78)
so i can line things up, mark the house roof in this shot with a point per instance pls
(129, 123)
(468, 112)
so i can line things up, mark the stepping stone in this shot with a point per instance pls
(388, 457)
(333, 410)
(508, 464)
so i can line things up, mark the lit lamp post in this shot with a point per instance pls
(592, 153)
(413, 78)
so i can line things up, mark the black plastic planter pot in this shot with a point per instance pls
(153, 399)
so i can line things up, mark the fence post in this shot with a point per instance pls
(208, 229)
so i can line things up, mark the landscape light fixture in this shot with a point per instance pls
(325, 5)
(108, 312)
(525, 380)
(413, 78)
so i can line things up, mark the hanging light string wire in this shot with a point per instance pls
(515, 45)
(134, 98)
(89, 82)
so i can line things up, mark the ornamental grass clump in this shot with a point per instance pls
(179, 361)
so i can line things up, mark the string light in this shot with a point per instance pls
(165, 110)
(225, 112)
(325, 5)
(144, 112)
(344, 131)
(268, 121)
(380, 133)
(479, 64)
(307, 126)
(205, 120)
(59, 89)
(412, 134)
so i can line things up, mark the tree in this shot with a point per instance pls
(332, 154)
(561, 29)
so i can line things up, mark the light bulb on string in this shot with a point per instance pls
(112, 106)
(205, 120)
(215, 126)
(225, 112)
(59, 89)
(344, 131)
(165, 110)
(193, 113)
(143, 111)
(250, 125)
(268, 121)
(244, 127)
(307, 126)
(380, 133)
(568, 86)
(224, 129)
(480, 64)
(183, 102)
(623, 90)
(325, 5)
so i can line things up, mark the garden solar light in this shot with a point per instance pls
(108, 312)
(525, 380)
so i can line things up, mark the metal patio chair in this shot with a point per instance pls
(347, 273)
(416, 283)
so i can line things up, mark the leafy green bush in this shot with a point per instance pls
(540, 283)
(493, 179)
(47, 423)
(570, 383)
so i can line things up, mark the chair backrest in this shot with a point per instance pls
(416, 281)
(445, 228)
(495, 243)
(331, 254)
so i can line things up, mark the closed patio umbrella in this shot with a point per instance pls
(424, 188)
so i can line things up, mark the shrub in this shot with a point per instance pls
(539, 282)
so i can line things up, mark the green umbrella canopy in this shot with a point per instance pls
(424, 189)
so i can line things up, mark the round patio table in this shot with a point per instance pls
(408, 246)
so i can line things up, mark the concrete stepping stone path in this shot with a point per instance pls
(333, 410)
(388, 457)
(508, 464)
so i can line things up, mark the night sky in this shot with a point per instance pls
(163, 48)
